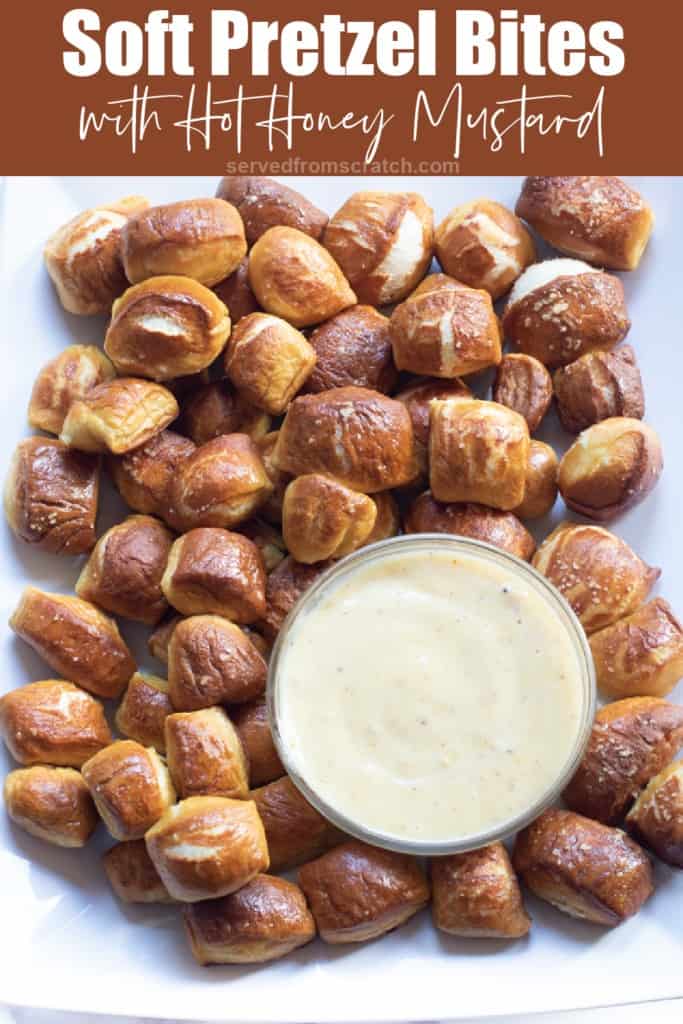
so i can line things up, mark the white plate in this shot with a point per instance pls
(69, 945)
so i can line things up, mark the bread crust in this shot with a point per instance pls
(656, 818)
(360, 437)
(491, 525)
(522, 383)
(268, 361)
(631, 741)
(445, 329)
(51, 803)
(598, 218)
(641, 655)
(66, 378)
(264, 203)
(143, 710)
(235, 292)
(358, 892)
(611, 467)
(216, 572)
(294, 277)
(76, 639)
(583, 868)
(52, 722)
(477, 895)
(600, 576)
(212, 661)
(478, 452)
(253, 726)
(272, 507)
(417, 398)
(383, 242)
(143, 477)
(266, 919)
(132, 874)
(484, 245)
(217, 409)
(51, 495)
(221, 484)
(198, 238)
(295, 831)
(205, 755)
(208, 846)
(353, 348)
(118, 416)
(571, 315)
(268, 540)
(83, 257)
(131, 787)
(597, 386)
(387, 518)
(123, 573)
(321, 518)
(540, 482)
(285, 586)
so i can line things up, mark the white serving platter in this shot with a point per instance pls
(67, 944)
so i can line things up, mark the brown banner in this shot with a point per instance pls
(230, 93)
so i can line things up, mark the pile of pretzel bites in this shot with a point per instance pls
(276, 390)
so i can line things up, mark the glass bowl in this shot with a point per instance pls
(522, 571)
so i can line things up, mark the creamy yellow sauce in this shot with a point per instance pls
(429, 696)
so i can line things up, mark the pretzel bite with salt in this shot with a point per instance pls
(477, 895)
(417, 398)
(478, 452)
(632, 740)
(264, 203)
(583, 868)
(131, 787)
(123, 573)
(642, 654)
(266, 919)
(598, 386)
(216, 572)
(66, 378)
(491, 525)
(51, 495)
(222, 483)
(51, 803)
(561, 309)
(144, 476)
(353, 348)
(321, 518)
(198, 238)
(383, 242)
(144, 709)
(205, 755)
(132, 875)
(118, 416)
(445, 329)
(212, 661)
(294, 277)
(207, 846)
(360, 437)
(268, 361)
(611, 467)
(597, 217)
(52, 722)
(600, 576)
(484, 245)
(522, 383)
(166, 327)
(83, 257)
(656, 818)
(358, 892)
(295, 831)
(76, 639)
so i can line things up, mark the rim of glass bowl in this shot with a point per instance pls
(429, 541)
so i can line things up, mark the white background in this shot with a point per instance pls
(73, 947)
